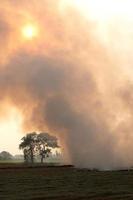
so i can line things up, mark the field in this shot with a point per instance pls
(19, 182)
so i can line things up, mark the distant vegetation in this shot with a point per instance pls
(34, 145)
(8, 157)
(4, 155)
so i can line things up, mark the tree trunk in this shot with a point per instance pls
(41, 159)
(32, 155)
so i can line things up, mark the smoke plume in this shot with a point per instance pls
(68, 81)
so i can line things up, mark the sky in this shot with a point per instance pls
(66, 68)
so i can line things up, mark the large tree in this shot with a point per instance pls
(41, 144)
(46, 143)
(28, 145)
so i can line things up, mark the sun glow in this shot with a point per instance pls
(29, 31)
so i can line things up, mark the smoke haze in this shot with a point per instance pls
(71, 80)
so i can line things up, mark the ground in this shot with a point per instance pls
(19, 182)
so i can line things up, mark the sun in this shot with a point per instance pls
(29, 31)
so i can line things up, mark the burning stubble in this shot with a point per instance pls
(68, 80)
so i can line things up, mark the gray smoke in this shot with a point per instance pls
(66, 82)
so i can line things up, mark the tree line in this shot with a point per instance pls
(37, 144)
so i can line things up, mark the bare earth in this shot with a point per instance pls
(19, 182)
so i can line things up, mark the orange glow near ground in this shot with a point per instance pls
(10, 131)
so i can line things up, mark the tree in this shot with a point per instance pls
(40, 144)
(45, 143)
(28, 145)
(4, 155)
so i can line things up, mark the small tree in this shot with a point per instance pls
(46, 143)
(28, 146)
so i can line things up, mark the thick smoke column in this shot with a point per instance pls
(68, 82)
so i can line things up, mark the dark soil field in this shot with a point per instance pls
(19, 182)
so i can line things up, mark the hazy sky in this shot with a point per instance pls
(66, 68)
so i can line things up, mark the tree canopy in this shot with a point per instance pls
(37, 144)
